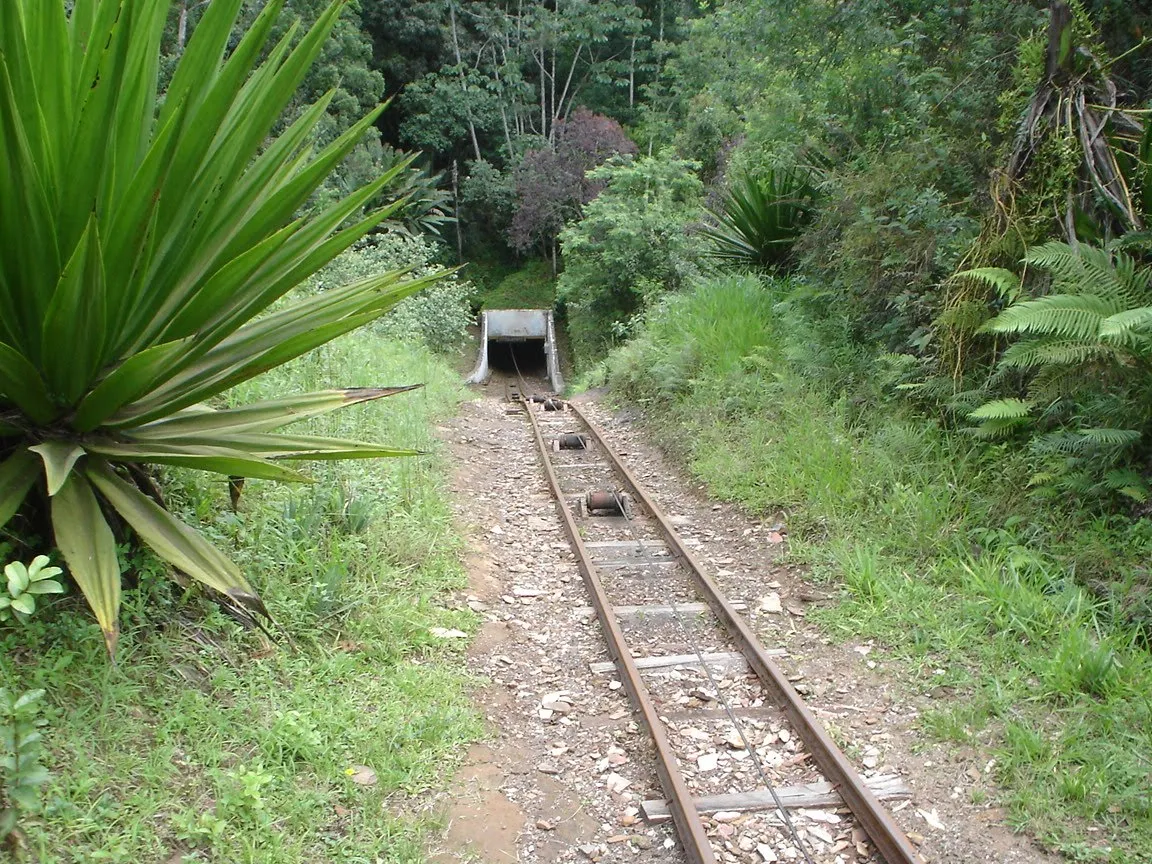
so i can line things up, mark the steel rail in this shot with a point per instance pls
(883, 831)
(684, 813)
(725, 704)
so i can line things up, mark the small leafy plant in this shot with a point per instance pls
(21, 774)
(24, 584)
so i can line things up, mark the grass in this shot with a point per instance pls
(531, 286)
(206, 742)
(941, 554)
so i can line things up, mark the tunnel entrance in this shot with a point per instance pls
(527, 355)
(523, 339)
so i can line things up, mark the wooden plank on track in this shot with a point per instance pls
(624, 544)
(884, 787)
(619, 565)
(658, 611)
(724, 658)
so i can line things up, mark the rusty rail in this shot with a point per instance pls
(688, 824)
(885, 834)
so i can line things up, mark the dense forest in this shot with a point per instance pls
(907, 165)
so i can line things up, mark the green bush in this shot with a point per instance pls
(147, 239)
(760, 218)
(892, 230)
(633, 244)
(1080, 365)
(438, 316)
(21, 771)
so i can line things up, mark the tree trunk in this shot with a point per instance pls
(558, 110)
(555, 51)
(1061, 51)
(463, 81)
(456, 198)
(543, 92)
(182, 28)
(632, 75)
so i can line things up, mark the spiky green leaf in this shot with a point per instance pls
(17, 474)
(89, 550)
(171, 539)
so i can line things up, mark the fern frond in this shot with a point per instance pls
(1090, 270)
(1107, 439)
(1128, 483)
(1124, 323)
(1053, 385)
(1141, 240)
(992, 429)
(1003, 409)
(1083, 441)
(1005, 283)
(966, 400)
(1044, 352)
(1070, 316)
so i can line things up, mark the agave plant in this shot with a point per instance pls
(761, 218)
(144, 237)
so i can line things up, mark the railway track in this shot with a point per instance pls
(747, 771)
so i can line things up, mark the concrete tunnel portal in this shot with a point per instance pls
(518, 339)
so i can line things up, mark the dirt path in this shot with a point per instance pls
(547, 786)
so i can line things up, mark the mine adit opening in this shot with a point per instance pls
(523, 339)
(527, 355)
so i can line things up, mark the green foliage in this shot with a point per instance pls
(438, 316)
(488, 200)
(25, 584)
(214, 740)
(634, 243)
(1083, 364)
(530, 287)
(760, 218)
(145, 235)
(933, 546)
(21, 771)
(892, 231)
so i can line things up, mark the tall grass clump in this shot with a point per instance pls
(934, 541)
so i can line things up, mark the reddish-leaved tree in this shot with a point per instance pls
(551, 186)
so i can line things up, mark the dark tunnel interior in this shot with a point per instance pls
(527, 355)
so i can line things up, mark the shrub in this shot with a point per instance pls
(21, 774)
(438, 316)
(760, 218)
(633, 244)
(1080, 366)
(554, 183)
